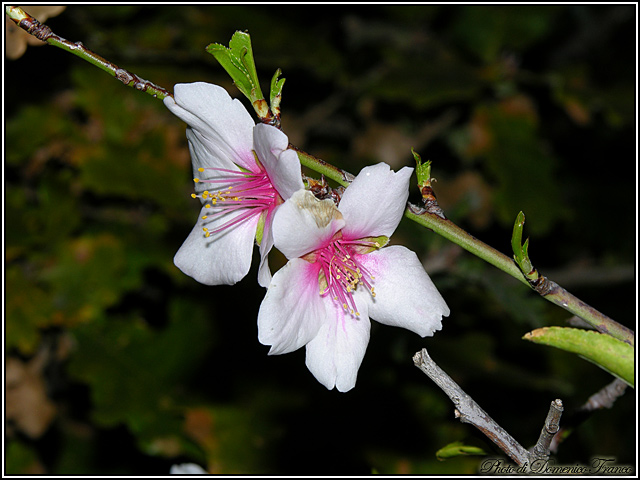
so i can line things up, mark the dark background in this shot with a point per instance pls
(117, 363)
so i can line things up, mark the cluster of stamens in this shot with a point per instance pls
(343, 273)
(248, 191)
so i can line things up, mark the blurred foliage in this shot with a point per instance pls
(518, 107)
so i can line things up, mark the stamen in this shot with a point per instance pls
(253, 193)
(343, 273)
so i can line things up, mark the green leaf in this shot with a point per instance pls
(275, 95)
(457, 449)
(238, 61)
(520, 250)
(423, 170)
(609, 353)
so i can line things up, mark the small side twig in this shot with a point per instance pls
(42, 32)
(604, 398)
(541, 450)
(468, 411)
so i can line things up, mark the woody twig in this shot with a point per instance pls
(42, 32)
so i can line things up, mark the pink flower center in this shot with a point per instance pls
(343, 272)
(234, 190)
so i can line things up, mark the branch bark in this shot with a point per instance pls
(541, 450)
(468, 411)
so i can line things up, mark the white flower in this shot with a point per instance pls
(338, 276)
(243, 173)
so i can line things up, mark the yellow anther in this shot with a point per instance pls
(193, 195)
(201, 169)
(207, 206)
(207, 234)
(205, 229)
(196, 180)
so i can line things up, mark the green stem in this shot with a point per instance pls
(558, 295)
(449, 230)
(334, 173)
(32, 26)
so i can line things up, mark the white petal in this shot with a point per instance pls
(264, 273)
(224, 258)
(405, 295)
(303, 224)
(375, 201)
(187, 469)
(201, 157)
(292, 310)
(282, 165)
(224, 126)
(335, 354)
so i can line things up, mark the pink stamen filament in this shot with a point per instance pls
(343, 273)
(249, 191)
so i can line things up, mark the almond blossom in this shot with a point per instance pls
(340, 274)
(243, 173)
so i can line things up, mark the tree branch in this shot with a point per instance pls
(558, 295)
(468, 411)
(42, 32)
